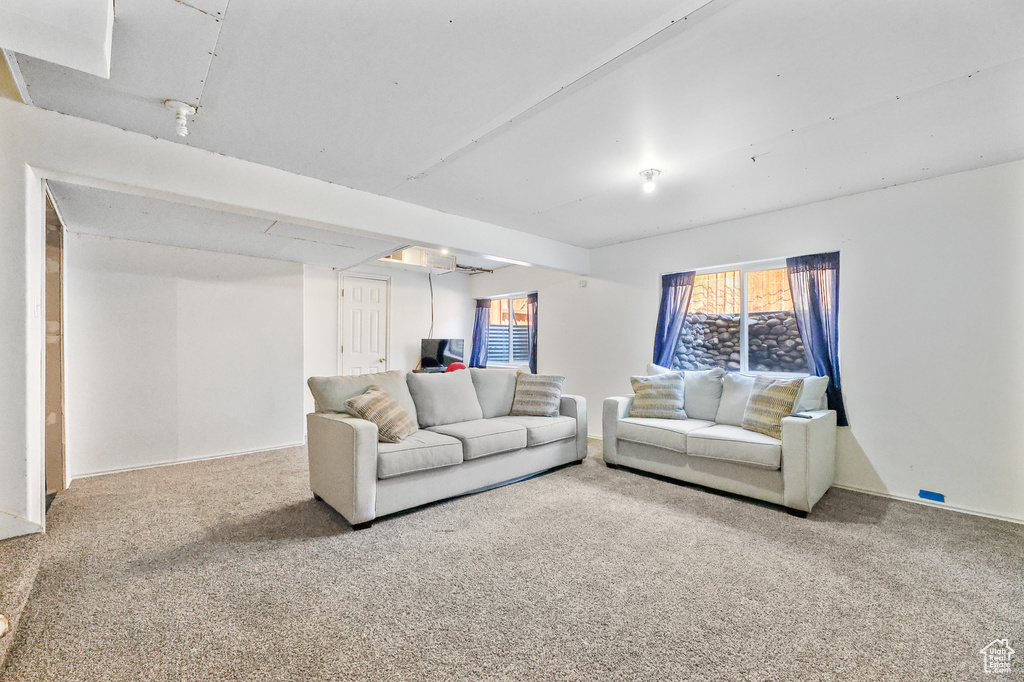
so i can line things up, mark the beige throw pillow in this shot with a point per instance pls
(658, 397)
(537, 395)
(770, 400)
(393, 423)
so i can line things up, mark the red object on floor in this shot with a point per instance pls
(454, 366)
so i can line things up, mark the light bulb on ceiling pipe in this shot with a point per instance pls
(648, 176)
(181, 113)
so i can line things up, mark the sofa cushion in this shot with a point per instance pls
(670, 434)
(703, 393)
(770, 400)
(393, 423)
(736, 389)
(659, 396)
(495, 389)
(703, 389)
(735, 444)
(541, 430)
(331, 393)
(421, 451)
(537, 395)
(812, 395)
(445, 398)
(482, 437)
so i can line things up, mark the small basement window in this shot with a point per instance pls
(742, 319)
(508, 340)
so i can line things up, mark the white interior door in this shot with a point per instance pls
(364, 325)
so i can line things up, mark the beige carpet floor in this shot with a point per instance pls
(19, 563)
(228, 570)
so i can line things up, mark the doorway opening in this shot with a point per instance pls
(53, 384)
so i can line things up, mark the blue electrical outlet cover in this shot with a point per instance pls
(929, 495)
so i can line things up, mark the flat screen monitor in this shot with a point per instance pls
(437, 354)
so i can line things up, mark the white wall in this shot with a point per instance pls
(409, 318)
(175, 354)
(920, 265)
(320, 327)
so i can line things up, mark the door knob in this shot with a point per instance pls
(381, 360)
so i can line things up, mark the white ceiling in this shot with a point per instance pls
(539, 116)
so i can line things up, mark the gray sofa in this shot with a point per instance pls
(467, 441)
(711, 449)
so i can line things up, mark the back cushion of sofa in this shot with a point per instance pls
(736, 389)
(331, 393)
(812, 395)
(444, 398)
(703, 393)
(495, 389)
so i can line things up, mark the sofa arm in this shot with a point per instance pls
(615, 408)
(808, 458)
(343, 464)
(575, 406)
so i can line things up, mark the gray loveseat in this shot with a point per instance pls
(467, 441)
(711, 449)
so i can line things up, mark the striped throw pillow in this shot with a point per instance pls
(770, 400)
(393, 422)
(658, 397)
(537, 395)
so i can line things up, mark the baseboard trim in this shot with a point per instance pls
(204, 458)
(927, 503)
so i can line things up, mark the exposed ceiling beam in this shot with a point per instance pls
(73, 33)
(74, 150)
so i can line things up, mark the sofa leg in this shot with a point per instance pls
(362, 526)
(611, 466)
(317, 498)
(799, 513)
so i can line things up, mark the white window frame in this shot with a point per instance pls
(509, 298)
(744, 269)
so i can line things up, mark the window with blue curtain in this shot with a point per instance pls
(511, 331)
(780, 317)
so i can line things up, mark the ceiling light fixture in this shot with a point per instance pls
(181, 113)
(648, 176)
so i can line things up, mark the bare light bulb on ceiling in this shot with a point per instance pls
(181, 113)
(648, 176)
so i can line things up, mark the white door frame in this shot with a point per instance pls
(341, 315)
